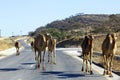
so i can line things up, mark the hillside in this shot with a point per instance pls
(78, 21)
(80, 25)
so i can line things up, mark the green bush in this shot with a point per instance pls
(57, 33)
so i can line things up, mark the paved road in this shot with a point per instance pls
(22, 67)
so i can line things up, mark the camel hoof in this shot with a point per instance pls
(91, 73)
(44, 68)
(110, 75)
(54, 63)
(82, 69)
(38, 66)
(104, 73)
(17, 54)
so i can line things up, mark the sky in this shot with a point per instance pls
(18, 17)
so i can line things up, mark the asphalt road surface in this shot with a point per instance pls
(22, 67)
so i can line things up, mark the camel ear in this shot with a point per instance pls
(114, 35)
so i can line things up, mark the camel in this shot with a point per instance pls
(51, 45)
(17, 46)
(40, 46)
(87, 52)
(109, 48)
(51, 49)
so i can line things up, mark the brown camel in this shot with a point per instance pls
(52, 49)
(17, 46)
(109, 48)
(39, 46)
(87, 52)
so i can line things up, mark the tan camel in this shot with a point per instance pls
(52, 50)
(109, 48)
(87, 52)
(17, 46)
(40, 46)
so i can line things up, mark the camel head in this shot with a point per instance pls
(91, 37)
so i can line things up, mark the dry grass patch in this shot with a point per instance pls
(6, 43)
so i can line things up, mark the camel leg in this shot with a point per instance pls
(110, 69)
(48, 56)
(51, 57)
(40, 57)
(38, 60)
(35, 54)
(43, 62)
(54, 53)
(104, 64)
(108, 65)
(83, 61)
(17, 51)
(83, 65)
(86, 66)
(91, 72)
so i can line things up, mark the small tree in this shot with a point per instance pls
(57, 33)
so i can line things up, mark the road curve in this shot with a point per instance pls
(22, 67)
